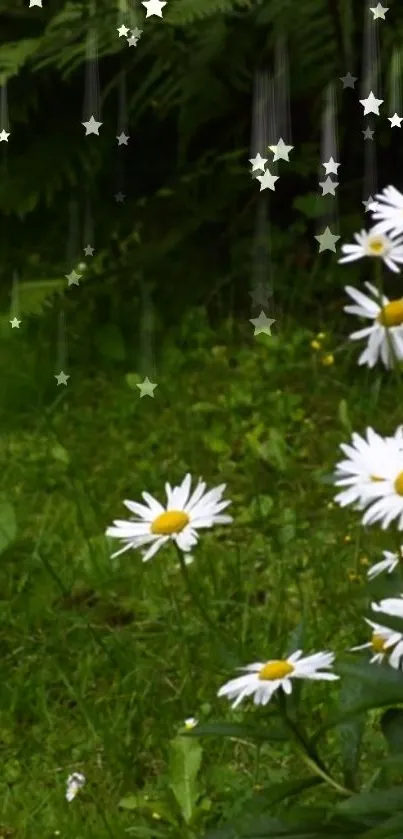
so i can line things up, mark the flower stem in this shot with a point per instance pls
(307, 752)
(194, 596)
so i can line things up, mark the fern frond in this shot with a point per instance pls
(187, 11)
(14, 55)
(35, 295)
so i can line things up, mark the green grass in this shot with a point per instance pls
(101, 661)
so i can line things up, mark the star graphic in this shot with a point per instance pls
(153, 7)
(371, 104)
(262, 324)
(73, 277)
(367, 203)
(258, 162)
(368, 133)
(327, 241)
(267, 180)
(348, 80)
(137, 33)
(147, 388)
(379, 11)
(281, 151)
(328, 186)
(394, 121)
(133, 41)
(259, 295)
(88, 250)
(123, 139)
(35, 3)
(62, 378)
(15, 323)
(123, 30)
(92, 126)
(4, 135)
(119, 197)
(331, 167)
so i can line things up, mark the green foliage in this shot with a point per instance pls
(184, 765)
(8, 525)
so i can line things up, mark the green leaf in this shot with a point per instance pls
(8, 525)
(392, 729)
(351, 732)
(275, 793)
(381, 686)
(109, 341)
(274, 449)
(132, 379)
(184, 764)
(392, 828)
(309, 205)
(34, 295)
(373, 802)
(60, 453)
(13, 55)
(142, 802)
(344, 417)
(238, 731)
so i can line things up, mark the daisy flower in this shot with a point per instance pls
(386, 494)
(384, 642)
(373, 243)
(385, 335)
(388, 564)
(190, 723)
(387, 211)
(366, 465)
(264, 678)
(178, 521)
(390, 606)
(73, 785)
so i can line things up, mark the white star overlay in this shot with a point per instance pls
(371, 104)
(267, 180)
(153, 7)
(331, 167)
(62, 378)
(262, 324)
(327, 240)
(379, 11)
(147, 388)
(92, 126)
(281, 151)
(328, 186)
(258, 162)
(395, 121)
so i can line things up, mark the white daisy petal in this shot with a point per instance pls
(184, 514)
(262, 680)
(374, 477)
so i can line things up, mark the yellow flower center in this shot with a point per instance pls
(172, 521)
(275, 670)
(399, 484)
(376, 246)
(391, 314)
(378, 643)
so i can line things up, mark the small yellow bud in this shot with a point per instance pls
(353, 577)
(328, 359)
(315, 345)
(347, 538)
(321, 336)
(364, 560)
